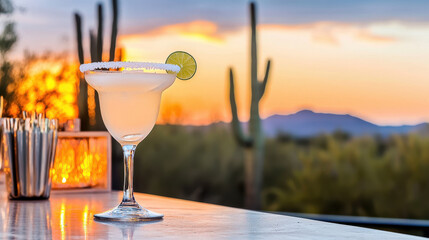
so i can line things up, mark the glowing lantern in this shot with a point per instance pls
(82, 161)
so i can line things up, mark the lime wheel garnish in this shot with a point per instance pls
(187, 64)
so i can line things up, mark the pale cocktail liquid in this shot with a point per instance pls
(129, 101)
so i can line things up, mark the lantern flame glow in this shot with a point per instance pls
(80, 162)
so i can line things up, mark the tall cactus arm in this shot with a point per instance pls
(236, 127)
(93, 46)
(114, 30)
(100, 33)
(254, 122)
(78, 22)
(253, 51)
(265, 80)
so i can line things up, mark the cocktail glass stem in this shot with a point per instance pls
(128, 209)
(128, 198)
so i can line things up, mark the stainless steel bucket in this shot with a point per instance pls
(28, 147)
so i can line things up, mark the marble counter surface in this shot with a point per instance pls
(66, 216)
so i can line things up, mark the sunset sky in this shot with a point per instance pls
(366, 58)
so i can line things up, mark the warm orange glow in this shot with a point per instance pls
(45, 85)
(171, 114)
(80, 162)
(91, 105)
(85, 221)
(70, 216)
(373, 70)
(198, 29)
(63, 220)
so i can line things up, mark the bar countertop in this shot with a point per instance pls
(66, 216)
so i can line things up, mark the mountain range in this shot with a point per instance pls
(309, 123)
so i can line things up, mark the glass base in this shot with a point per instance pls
(129, 213)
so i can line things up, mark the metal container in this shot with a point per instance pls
(28, 146)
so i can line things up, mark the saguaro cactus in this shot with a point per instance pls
(253, 142)
(96, 53)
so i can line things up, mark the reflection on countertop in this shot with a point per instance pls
(66, 216)
(70, 216)
(36, 216)
(127, 228)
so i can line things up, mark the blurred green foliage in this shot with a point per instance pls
(368, 176)
(327, 174)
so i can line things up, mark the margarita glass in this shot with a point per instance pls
(129, 95)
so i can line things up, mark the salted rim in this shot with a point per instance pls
(129, 65)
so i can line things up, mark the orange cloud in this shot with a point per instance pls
(199, 30)
(321, 32)
(331, 32)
